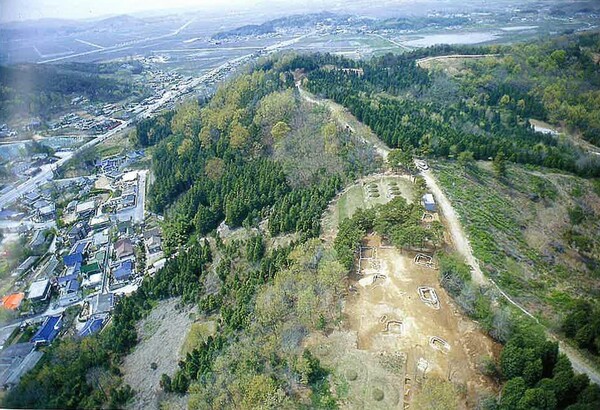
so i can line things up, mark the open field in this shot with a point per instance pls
(387, 331)
(454, 65)
(353, 45)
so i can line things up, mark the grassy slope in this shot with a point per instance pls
(520, 239)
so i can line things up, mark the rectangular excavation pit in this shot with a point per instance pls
(367, 252)
(429, 296)
(394, 326)
(439, 344)
(424, 260)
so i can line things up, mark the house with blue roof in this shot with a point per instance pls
(72, 259)
(92, 326)
(124, 271)
(48, 332)
(62, 280)
(80, 247)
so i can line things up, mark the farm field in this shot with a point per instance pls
(353, 45)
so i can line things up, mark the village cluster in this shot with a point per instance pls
(89, 242)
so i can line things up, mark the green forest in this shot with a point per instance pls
(485, 112)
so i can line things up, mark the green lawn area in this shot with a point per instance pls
(357, 197)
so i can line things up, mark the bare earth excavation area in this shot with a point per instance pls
(399, 325)
(400, 306)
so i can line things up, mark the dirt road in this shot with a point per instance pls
(345, 118)
(421, 61)
(460, 240)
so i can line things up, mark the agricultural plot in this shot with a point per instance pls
(353, 45)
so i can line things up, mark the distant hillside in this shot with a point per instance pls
(271, 26)
(41, 90)
(49, 27)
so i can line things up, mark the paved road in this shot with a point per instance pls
(116, 47)
(136, 213)
(394, 42)
(48, 173)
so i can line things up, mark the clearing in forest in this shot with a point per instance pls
(366, 193)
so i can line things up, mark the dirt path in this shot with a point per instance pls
(421, 61)
(345, 118)
(460, 240)
(574, 137)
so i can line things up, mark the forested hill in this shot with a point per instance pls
(482, 113)
(41, 90)
(257, 155)
(254, 152)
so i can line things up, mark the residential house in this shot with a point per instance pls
(46, 213)
(85, 209)
(31, 197)
(100, 239)
(78, 232)
(25, 265)
(13, 301)
(152, 240)
(69, 293)
(124, 249)
(92, 326)
(73, 259)
(39, 291)
(102, 303)
(90, 269)
(37, 240)
(123, 272)
(99, 222)
(48, 332)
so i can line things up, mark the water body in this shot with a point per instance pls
(453, 38)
